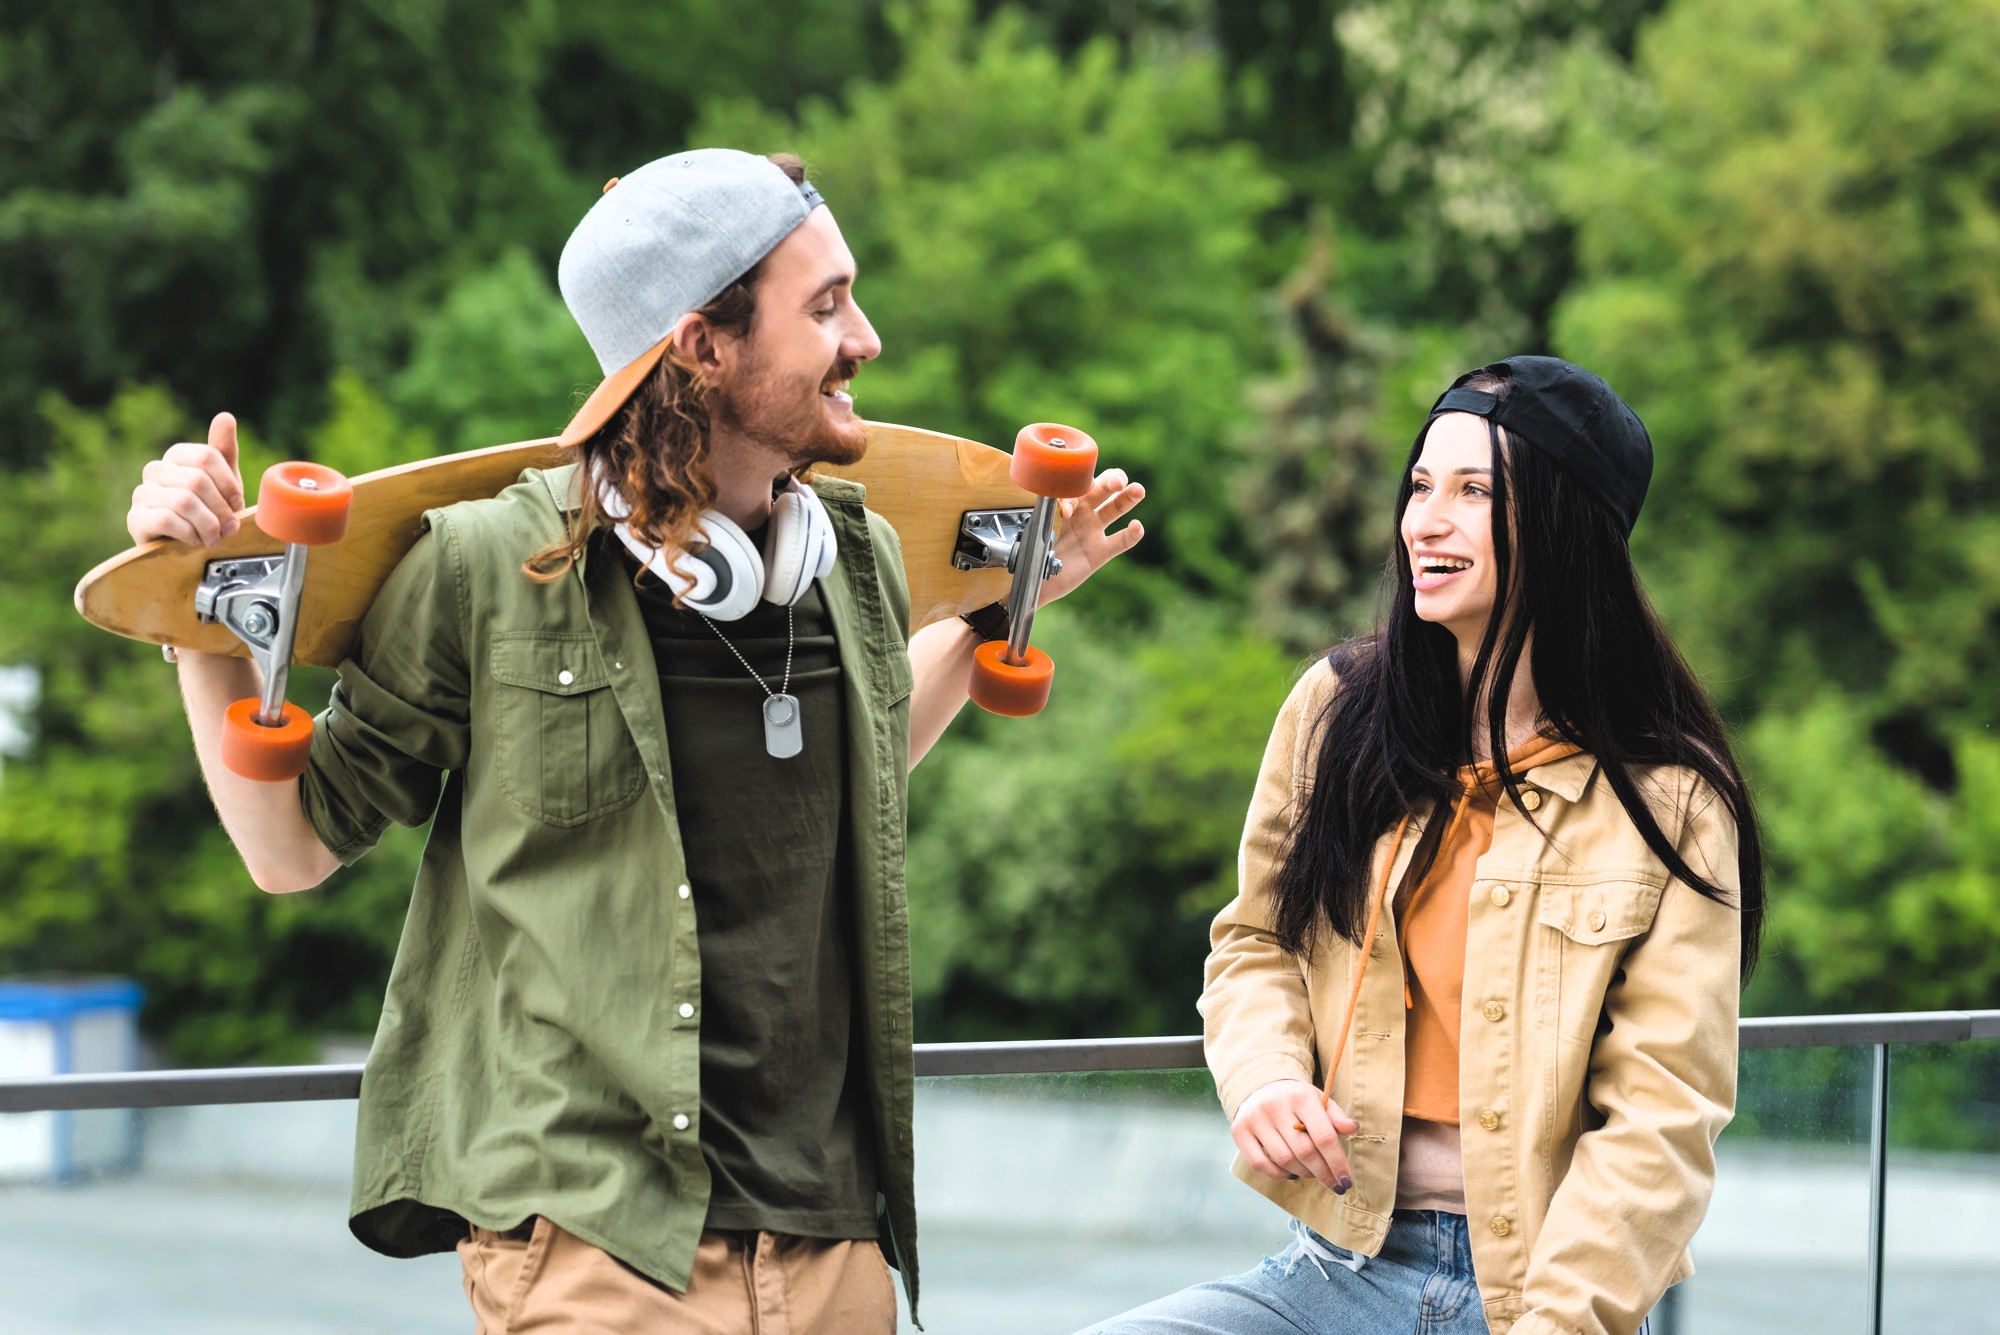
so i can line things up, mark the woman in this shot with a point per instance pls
(1473, 1012)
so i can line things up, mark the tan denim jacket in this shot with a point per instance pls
(1598, 1038)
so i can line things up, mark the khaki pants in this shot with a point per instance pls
(554, 1283)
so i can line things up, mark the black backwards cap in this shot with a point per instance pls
(1573, 417)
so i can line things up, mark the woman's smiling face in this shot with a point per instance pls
(1448, 527)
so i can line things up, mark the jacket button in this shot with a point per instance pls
(1501, 1228)
(565, 677)
(1489, 1121)
(1530, 800)
(1500, 896)
(1494, 1011)
(687, 1010)
(1597, 920)
(683, 892)
(680, 1121)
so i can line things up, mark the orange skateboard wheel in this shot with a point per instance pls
(303, 503)
(1053, 460)
(266, 754)
(1016, 690)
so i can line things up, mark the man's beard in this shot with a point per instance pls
(789, 416)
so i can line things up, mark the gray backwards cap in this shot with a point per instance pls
(663, 241)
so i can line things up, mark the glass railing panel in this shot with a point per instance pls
(201, 1221)
(1784, 1248)
(1047, 1203)
(1941, 1254)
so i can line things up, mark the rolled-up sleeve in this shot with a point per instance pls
(398, 718)
(1663, 1078)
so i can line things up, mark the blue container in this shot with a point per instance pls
(68, 1027)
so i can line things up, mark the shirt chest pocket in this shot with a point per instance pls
(1583, 932)
(561, 749)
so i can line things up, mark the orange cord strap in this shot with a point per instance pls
(1361, 969)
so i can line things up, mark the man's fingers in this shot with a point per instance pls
(220, 466)
(1115, 505)
(222, 436)
(147, 522)
(1104, 486)
(171, 512)
(212, 491)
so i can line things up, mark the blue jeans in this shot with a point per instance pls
(1421, 1284)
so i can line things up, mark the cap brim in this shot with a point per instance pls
(610, 395)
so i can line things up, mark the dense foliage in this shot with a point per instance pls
(1243, 244)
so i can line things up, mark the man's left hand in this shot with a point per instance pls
(1086, 545)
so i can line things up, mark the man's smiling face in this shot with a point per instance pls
(786, 383)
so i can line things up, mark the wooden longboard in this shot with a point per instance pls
(922, 482)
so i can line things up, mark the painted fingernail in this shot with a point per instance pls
(1340, 1187)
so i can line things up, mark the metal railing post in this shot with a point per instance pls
(1878, 1183)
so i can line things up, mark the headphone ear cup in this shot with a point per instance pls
(788, 548)
(823, 526)
(822, 549)
(799, 546)
(737, 569)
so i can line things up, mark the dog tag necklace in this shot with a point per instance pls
(783, 737)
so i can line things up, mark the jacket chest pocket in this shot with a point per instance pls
(1582, 936)
(562, 751)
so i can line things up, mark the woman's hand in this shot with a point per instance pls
(1084, 546)
(1266, 1130)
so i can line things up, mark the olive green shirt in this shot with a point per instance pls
(539, 1050)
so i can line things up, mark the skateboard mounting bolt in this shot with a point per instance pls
(259, 620)
(308, 484)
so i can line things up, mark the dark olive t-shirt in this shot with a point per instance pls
(784, 1105)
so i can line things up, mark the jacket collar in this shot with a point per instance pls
(1566, 778)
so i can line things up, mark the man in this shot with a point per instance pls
(645, 1056)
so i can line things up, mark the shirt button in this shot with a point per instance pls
(680, 1121)
(565, 677)
(1500, 896)
(1489, 1121)
(687, 1010)
(1501, 1228)
(1494, 1011)
(1597, 920)
(1530, 800)
(617, 667)
(683, 892)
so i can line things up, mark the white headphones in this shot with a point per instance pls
(724, 579)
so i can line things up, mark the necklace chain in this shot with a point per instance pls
(785, 688)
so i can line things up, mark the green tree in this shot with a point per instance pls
(1042, 238)
(113, 859)
(236, 200)
(1789, 230)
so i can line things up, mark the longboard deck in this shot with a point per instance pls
(922, 482)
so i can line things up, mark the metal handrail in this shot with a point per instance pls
(293, 1084)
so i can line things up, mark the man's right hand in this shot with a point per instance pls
(1266, 1131)
(192, 492)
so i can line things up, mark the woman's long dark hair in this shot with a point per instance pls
(1392, 739)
